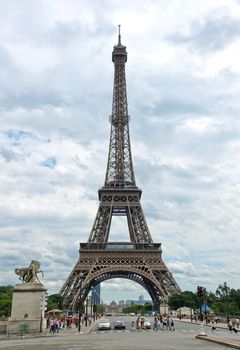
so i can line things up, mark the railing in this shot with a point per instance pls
(120, 246)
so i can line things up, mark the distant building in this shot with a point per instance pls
(121, 302)
(140, 301)
(96, 295)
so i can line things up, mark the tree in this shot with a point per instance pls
(5, 300)
(55, 301)
(235, 296)
(187, 298)
(223, 291)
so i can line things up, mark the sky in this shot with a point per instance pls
(183, 84)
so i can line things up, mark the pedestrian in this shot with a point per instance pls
(164, 322)
(231, 327)
(237, 322)
(68, 323)
(51, 326)
(155, 324)
(214, 328)
(171, 324)
(138, 323)
(158, 324)
(132, 325)
(167, 323)
(142, 322)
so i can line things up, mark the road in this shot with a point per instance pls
(183, 338)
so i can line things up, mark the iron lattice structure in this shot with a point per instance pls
(139, 260)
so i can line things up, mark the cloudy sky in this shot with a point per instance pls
(183, 80)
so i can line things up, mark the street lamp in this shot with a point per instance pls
(225, 288)
(80, 302)
(200, 294)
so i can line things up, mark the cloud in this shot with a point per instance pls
(209, 34)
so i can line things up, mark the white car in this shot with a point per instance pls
(104, 324)
(147, 324)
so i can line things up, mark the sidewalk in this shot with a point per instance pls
(218, 325)
(221, 340)
(231, 343)
(74, 330)
(63, 332)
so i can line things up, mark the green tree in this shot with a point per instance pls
(187, 298)
(223, 291)
(5, 300)
(235, 296)
(55, 301)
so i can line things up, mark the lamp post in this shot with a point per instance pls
(86, 313)
(200, 294)
(206, 316)
(91, 307)
(80, 302)
(225, 288)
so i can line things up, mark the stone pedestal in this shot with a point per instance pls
(27, 307)
(164, 308)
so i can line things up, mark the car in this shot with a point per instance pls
(147, 324)
(119, 324)
(104, 324)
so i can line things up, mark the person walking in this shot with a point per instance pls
(164, 322)
(171, 324)
(142, 322)
(155, 324)
(214, 328)
(231, 327)
(138, 323)
(237, 322)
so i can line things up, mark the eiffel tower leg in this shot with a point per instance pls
(138, 225)
(102, 223)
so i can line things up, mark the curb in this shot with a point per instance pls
(222, 342)
(205, 325)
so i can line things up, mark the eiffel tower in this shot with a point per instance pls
(140, 259)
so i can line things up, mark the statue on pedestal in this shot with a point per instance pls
(29, 274)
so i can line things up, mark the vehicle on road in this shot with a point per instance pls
(147, 324)
(119, 324)
(104, 324)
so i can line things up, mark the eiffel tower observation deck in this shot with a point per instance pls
(140, 259)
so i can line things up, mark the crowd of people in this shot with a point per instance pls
(159, 323)
(55, 324)
(164, 322)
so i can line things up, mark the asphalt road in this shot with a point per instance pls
(183, 338)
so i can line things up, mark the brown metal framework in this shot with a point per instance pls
(139, 260)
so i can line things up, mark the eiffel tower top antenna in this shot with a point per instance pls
(119, 35)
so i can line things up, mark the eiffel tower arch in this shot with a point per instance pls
(140, 259)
